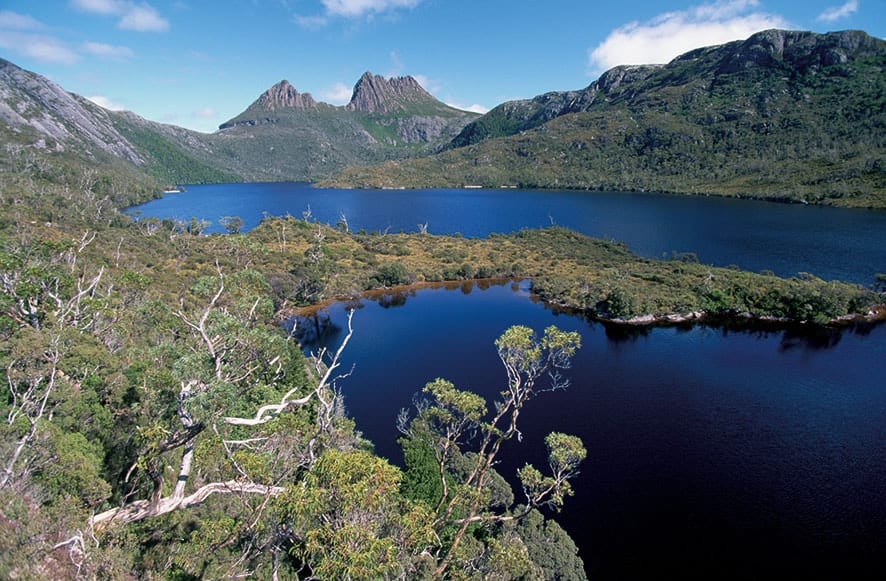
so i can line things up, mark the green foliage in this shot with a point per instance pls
(347, 512)
(139, 341)
(421, 478)
(461, 484)
(173, 163)
(551, 548)
(391, 274)
(73, 472)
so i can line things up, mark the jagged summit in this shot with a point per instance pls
(376, 94)
(282, 96)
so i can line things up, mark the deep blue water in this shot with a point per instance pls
(828, 242)
(712, 453)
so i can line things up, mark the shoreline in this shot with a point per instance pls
(876, 314)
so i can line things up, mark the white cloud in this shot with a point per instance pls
(108, 104)
(428, 84)
(674, 33)
(14, 21)
(107, 51)
(38, 47)
(143, 18)
(835, 13)
(139, 17)
(338, 94)
(475, 108)
(358, 8)
(20, 34)
(98, 6)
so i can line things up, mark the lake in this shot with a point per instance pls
(830, 243)
(713, 453)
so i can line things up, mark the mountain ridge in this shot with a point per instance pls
(283, 135)
(769, 48)
(782, 115)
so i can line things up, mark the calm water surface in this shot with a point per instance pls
(786, 239)
(712, 453)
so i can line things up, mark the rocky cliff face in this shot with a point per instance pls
(375, 94)
(58, 119)
(283, 96)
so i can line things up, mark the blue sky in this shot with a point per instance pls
(197, 63)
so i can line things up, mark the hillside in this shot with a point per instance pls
(283, 135)
(66, 139)
(783, 115)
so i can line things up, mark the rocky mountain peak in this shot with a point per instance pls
(285, 96)
(376, 94)
(799, 50)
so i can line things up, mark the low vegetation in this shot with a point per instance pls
(160, 423)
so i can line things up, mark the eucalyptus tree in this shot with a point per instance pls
(231, 409)
(462, 441)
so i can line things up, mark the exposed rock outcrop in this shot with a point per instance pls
(283, 96)
(33, 101)
(376, 94)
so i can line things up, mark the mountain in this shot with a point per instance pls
(57, 136)
(784, 115)
(285, 134)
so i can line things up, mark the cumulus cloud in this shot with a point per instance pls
(338, 94)
(359, 8)
(107, 51)
(141, 17)
(108, 104)
(835, 13)
(673, 33)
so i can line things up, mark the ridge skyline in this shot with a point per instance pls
(170, 63)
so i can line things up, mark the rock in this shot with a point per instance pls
(285, 96)
(375, 94)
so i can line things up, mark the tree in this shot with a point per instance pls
(235, 365)
(448, 420)
(231, 224)
(349, 522)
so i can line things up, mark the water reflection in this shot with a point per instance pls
(315, 328)
(717, 450)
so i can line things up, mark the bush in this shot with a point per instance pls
(391, 274)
